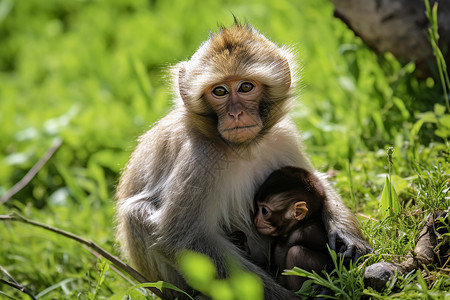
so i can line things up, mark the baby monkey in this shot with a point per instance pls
(290, 204)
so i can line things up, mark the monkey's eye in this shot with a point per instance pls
(220, 91)
(246, 87)
(264, 211)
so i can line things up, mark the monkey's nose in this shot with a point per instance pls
(235, 115)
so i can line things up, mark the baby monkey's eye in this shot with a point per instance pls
(246, 87)
(264, 211)
(220, 91)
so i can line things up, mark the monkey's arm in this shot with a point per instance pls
(343, 229)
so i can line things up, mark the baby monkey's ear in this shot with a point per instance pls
(300, 210)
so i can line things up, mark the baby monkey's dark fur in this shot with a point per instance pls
(290, 204)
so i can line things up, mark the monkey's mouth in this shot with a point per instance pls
(240, 134)
(265, 230)
(240, 127)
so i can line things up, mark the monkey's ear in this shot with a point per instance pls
(182, 85)
(300, 210)
(287, 78)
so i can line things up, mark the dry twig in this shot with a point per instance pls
(13, 283)
(33, 171)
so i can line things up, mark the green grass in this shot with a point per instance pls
(93, 73)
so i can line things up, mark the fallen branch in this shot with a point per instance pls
(113, 259)
(15, 284)
(33, 171)
(19, 287)
(432, 248)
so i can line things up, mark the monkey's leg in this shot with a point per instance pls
(306, 259)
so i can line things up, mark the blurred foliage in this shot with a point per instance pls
(93, 73)
(201, 275)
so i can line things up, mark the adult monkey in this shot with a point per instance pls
(191, 180)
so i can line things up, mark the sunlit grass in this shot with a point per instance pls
(93, 73)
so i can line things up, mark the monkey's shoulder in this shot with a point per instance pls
(169, 126)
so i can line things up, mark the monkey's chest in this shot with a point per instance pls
(239, 175)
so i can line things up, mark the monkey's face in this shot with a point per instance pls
(273, 222)
(236, 103)
(278, 214)
(237, 85)
(263, 220)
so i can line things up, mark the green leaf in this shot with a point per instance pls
(389, 202)
(416, 128)
(401, 106)
(306, 288)
(428, 117)
(439, 109)
(434, 21)
(54, 287)
(103, 267)
(444, 121)
(421, 281)
(443, 133)
(247, 286)
(297, 271)
(428, 9)
(198, 269)
(221, 290)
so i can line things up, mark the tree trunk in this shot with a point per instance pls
(397, 26)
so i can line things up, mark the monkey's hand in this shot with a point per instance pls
(348, 245)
